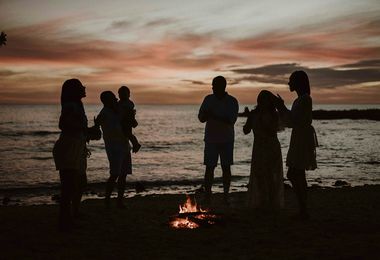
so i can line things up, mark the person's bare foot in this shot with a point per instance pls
(136, 148)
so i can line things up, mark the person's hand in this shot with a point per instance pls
(279, 102)
(245, 113)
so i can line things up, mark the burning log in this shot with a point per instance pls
(191, 216)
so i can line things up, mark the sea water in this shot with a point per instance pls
(171, 157)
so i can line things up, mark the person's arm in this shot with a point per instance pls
(98, 120)
(232, 115)
(132, 115)
(284, 113)
(248, 124)
(203, 113)
(94, 132)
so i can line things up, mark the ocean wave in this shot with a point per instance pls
(28, 133)
(372, 162)
(99, 186)
(42, 158)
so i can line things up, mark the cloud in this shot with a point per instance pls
(9, 73)
(160, 22)
(120, 25)
(363, 64)
(335, 41)
(195, 82)
(42, 56)
(323, 77)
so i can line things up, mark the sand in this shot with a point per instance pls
(344, 224)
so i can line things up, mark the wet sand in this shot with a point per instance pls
(344, 224)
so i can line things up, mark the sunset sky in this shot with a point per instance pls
(167, 52)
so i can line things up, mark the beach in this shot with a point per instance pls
(344, 224)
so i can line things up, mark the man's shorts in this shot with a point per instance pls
(119, 157)
(215, 150)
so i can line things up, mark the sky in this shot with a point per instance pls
(167, 52)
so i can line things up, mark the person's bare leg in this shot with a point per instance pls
(76, 201)
(67, 182)
(80, 185)
(292, 177)
(209, 178)
(302, 190)
(298, 179)
(121, 183)
(226, 170)
(109, 188)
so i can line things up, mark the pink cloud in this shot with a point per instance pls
(34, 51)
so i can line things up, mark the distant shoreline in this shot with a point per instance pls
(368, 114)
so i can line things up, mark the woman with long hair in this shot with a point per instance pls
(303, 141)
(70, 152)
(266, 187)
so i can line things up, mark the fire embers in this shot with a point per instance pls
(191, 216)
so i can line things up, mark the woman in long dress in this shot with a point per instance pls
(303, 141)
(265, 188)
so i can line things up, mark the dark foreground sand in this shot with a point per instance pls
(345, 224)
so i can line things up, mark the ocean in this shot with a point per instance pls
(171, 157)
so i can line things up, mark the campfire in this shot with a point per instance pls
(192, 216)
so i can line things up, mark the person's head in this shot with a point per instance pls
(266, 101)
(219, 85)
(108, 99)
(299, 82)
(72, 91)
(124, 92)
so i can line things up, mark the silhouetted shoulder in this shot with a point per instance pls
(305, 101)
(208, 97)
(305, 98)
(233, 99)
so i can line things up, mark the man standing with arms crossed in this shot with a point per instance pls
(219, 110)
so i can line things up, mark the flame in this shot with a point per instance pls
(190, 206)
(184, 223)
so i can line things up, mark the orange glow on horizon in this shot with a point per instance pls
(172, 59)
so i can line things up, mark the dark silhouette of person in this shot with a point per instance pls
(116, 145)
(266, 184)
(303, 141)
(128, 116)
(70, 152)
(219, 110)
